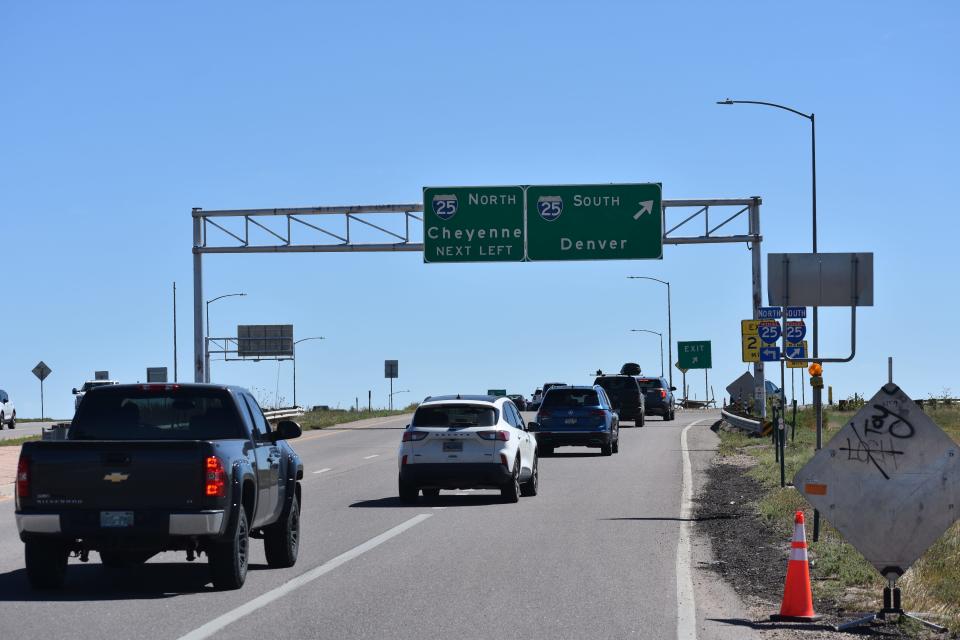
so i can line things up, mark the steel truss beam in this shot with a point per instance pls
(212, 233)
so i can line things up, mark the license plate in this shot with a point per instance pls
(116, 519)
(570, 421)
(452, 445)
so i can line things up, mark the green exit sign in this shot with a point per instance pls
(694, 355)
(595, 222)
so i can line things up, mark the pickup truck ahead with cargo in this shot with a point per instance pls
(161, 467)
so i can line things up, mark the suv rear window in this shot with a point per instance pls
(651, 383)
(167, 414)
(617, 383)
(461, 415)
(571, 397)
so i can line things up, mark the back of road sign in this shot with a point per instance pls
(888, 481)
(820, 279)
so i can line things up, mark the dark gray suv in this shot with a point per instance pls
(658, 395)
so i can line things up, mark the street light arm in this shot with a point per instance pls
(311, 338)
(648, 278)
(226, 295)
(767, 104)
(648, 331)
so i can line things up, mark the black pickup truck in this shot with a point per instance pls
(161, 467)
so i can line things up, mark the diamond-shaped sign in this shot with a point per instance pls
(889, 481)
(42, 370)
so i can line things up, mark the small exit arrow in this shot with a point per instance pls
(645, 207)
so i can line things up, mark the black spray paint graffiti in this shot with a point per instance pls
(877, 451)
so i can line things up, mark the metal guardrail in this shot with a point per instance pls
(740, 422)
(280, 414)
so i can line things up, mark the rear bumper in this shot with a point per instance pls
(657, 409)
(574, 438)
(86, 524)
(454, 475)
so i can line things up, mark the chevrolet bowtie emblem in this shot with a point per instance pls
(116, 476)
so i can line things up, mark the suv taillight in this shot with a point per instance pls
(23, 477)
(216, 478)
(414, 436)
(544, 414)
(663, 393)
(494, 435)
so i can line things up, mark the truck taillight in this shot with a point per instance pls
(216, 478)
(23, 477)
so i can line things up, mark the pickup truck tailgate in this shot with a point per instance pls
(116, 475)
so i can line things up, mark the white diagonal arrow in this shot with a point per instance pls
(645, 207)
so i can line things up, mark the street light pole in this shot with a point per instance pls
(817, 393)
(206, 342)
(669, 324)
(295, 363)
(393, 393)
(661, 346)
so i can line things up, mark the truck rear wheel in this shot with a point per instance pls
(281, 541)
(229, 559)
(46, 563)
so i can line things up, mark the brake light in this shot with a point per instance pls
(216, 478)
(544, 414)
(663, 393)
(494, 435)
(503, 460)
(23, 477)
(599, 412)
(414, 436)
(404, 460)
(159, 387)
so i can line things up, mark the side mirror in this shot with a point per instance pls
(533, 427)
(673, 388)
(74, 391)
(286, 430)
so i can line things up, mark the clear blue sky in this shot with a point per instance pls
(119, 117)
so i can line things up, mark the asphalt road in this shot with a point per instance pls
(595, 555)
(24, 429)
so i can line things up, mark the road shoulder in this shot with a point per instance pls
(719, 608)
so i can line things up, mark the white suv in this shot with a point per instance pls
(8, 414)
(467, 442)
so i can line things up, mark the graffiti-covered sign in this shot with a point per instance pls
(888, 481)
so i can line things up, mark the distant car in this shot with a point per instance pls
(577, 417)
(467, 442)
(625, 394)
(771, 388)
(8, 414)
(519, 400)
(535, 400)
(89, 384)
(658, 395)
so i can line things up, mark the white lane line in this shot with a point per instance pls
(686, 605)
(322, 470)
(261, 601)
(373, 456)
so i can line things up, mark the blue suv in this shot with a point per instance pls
(577, 417)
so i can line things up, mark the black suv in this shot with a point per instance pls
(626, 396)
(659, 397)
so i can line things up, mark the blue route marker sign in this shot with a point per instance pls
(796, 312)
(796, 330)
(769, 354)
(769, 331)
(769, 313)
(798, 350)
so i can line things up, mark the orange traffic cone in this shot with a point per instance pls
(797, 603)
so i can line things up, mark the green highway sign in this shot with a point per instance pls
(594, 222)
(496, 392)
(694, 355)
(473, 224)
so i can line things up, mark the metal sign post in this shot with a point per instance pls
(42, 371)
(391, 370)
